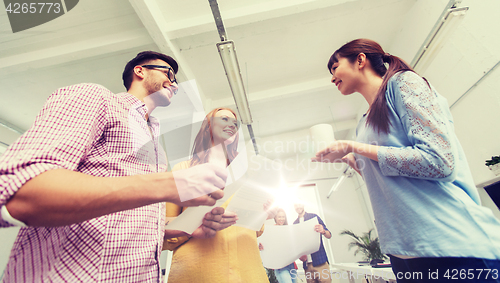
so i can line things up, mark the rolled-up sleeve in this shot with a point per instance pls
(426, 124)
(71, 121)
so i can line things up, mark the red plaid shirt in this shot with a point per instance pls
(88, 129)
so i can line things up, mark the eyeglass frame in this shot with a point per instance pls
(170, 70)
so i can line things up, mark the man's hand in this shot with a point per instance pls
(319, 228)
(214, 221)
(303, 258)
(62, 197)
(200, 185)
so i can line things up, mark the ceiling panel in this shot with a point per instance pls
(91, 19)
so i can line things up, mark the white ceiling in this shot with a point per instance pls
(282, 45)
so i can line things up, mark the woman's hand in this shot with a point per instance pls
(339, 151)
(334, 152)
(261, 247)
(214, 221)
(350, 159)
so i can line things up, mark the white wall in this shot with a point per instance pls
(345, 209)
(470, 52)
(418, 23)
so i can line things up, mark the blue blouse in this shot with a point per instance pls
(423, 196)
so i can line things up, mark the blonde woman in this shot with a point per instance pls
(232, 255)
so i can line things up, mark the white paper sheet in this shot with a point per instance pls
(256, 178)
(283, 244)
(263, 178)
(248, 204)
(192, 217)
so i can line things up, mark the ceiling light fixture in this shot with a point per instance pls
(445, 26)
(227, 54)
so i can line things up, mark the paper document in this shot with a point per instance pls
(283, 244)
(248, 204)
(262, 179)
(192, 217)
(256, 178)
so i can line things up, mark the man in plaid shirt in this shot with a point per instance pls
(88, 182)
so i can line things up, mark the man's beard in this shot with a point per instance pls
(151, 86)
(156, 93)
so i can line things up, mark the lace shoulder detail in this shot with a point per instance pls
(431, 154)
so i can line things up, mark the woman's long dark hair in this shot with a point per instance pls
(378, 116)
(204, 140)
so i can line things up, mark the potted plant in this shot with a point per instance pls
(271, 276)
(494, 164)
(368, 246)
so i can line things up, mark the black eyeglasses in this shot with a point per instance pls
(169, 72)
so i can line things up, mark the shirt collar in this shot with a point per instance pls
(137, 104)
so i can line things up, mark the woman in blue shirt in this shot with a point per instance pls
(427, 209)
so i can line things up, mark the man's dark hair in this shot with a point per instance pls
(143, 58)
